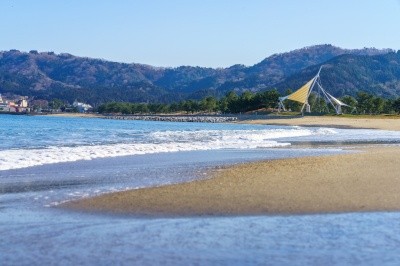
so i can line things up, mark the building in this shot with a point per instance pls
(23, 103)
(82, 107)
(11, 107)
(3, 105)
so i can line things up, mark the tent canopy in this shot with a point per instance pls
(301, 95)
(336, 101)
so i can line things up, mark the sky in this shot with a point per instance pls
(207, 33)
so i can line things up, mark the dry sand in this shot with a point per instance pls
(366, 181)
(390, 123)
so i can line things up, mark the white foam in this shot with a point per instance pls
(158, 142)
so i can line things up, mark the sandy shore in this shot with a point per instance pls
(390, 123)
(367, 181)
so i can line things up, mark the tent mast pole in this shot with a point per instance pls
(311, 88)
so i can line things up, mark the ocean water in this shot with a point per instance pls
(48, 160)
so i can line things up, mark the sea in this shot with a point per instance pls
(47, 160)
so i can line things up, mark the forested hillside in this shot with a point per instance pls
(46, 75)
(349, 74)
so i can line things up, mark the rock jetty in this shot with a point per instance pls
(176, 118)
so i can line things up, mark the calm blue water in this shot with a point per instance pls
(48, 160)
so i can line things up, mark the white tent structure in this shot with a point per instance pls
(302, 95)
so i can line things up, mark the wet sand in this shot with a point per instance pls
(389, 123)
(357, 182)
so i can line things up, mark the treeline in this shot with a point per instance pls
(231, 103)
(363, 103)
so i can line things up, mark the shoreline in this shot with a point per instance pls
(333, 122)
(78, 115)
(357, 182)
(362, 122)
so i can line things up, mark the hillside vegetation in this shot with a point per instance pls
(45, 75)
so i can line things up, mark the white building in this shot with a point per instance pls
(82, 107)
(3, 105)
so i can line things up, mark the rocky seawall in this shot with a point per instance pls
(176, 118)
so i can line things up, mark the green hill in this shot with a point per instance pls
(348, 74)
(45, 75)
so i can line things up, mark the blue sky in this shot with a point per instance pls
(211, 33)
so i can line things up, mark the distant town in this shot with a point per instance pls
(24, 105)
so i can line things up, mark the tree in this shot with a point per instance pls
(125, 108)
(232, 100)
(396, 105)
(190, 106)
(270, 98)
(245, 102)
(56, 104)
(174, 107)
(365, 102)
(142, 108)
(389, 106)
(379, 105)
(318, 104)
(351, 101)
(223, 105)
(208, 104)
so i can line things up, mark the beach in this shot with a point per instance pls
(369, 122)
(364, 180)
(250, 179)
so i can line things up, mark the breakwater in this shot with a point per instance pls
(199, 118)
(176, 118)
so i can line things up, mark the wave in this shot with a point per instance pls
(157, 142)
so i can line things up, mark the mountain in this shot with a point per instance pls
(278, 67)
(348, 74)
(47, 75)
(272, 70)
